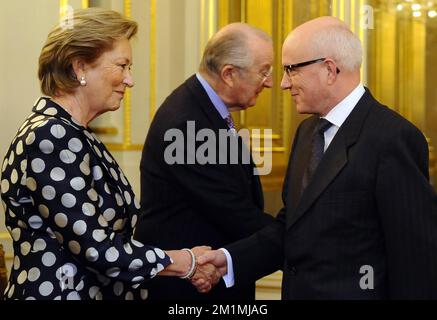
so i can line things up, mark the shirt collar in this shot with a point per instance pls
(213, 96)
(341, 111)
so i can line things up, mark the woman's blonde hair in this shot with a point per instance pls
(90, 33)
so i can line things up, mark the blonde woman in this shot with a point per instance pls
(69, 208)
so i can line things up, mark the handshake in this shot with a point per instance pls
(201, 265)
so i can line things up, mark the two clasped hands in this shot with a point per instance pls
(201, 265)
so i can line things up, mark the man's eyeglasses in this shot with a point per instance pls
(266, 74)
(292, 67)
(262, 74)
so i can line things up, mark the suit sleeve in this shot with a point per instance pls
(407, 208)
(216, 191)
(61, 187)
(263, 252)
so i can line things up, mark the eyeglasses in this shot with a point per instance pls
(288, 69)
(264, 75)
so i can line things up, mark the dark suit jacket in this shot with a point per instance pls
(369, 204)
(186, 205)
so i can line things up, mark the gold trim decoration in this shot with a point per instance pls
(269, 149)
(85, 4)
(127, 7)
(202, 29)
(334, 8)
(352, 12)
(126, 145)
(212, 18)
(353, 17)
(223, 13)
(63, 6)
(127, 131)
(127, 107)
(105, 130)
(243, 12)
(342, 10)
(262, 136)
(5, 236)
(364, 44)
(243, 18)
(208, 22)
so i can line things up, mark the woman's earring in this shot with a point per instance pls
(82, 81)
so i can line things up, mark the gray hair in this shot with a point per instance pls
(340, 44)
(231, 47)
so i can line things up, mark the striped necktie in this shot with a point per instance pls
(230, 121)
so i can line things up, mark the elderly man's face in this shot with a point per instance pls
(306, 83)
(251, 81)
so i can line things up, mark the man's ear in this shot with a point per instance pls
(332, 70)
(79, 67)
(227, 75)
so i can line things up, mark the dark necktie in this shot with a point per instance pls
(317, 150)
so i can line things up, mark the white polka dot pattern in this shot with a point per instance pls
(48, 192)
(78, 206)
(77, 183)
(58, 131)
(57, 174)
(46, 146)
(38, 165)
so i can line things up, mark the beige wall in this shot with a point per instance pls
(23, 28)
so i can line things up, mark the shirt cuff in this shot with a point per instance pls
(228, 278)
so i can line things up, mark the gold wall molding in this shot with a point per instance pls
(397, 51)
(152, 61)
(126, 145)
(208, 22)
(352, 13)
(113, 131)
(5, 236)
(63, 4)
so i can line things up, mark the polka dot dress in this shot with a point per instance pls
(71, 213)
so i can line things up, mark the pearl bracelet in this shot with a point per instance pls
(193, 267)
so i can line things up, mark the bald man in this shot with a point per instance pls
(186, 202)
(359, 219)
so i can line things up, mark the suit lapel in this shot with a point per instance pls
(217, 123)
(205, 103)
(333, 161)
(298, 162)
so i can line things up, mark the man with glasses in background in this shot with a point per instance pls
(359, 219)
(188, 203)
